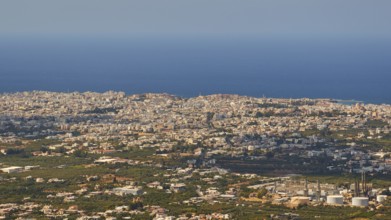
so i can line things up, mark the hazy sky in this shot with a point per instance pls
(191, 17)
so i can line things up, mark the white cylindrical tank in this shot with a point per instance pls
(335, 200)
(360, 201)
(381, 198)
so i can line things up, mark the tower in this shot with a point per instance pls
(364, 184)
(306, 187)
(318, 191)
(275, 186)
(356, 187)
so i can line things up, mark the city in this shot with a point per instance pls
(159, 156)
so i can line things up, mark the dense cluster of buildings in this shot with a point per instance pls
(201, 129)
(219, 124)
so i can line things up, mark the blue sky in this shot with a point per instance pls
(283, 18)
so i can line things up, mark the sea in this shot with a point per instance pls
(338, 68)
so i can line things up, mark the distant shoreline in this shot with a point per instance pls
(349, 101)
(335, 100)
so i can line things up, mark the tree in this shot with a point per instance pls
(44, 149)
(11, 151)
(269, 155)
(80, 153)
(262, 192)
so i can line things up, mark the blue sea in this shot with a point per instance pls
(358, 68)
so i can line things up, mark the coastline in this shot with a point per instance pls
(335, 100)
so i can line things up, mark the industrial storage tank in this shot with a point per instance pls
(335, 200)
(381, 198)
(360, 201)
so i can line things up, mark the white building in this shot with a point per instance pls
(13, 169)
